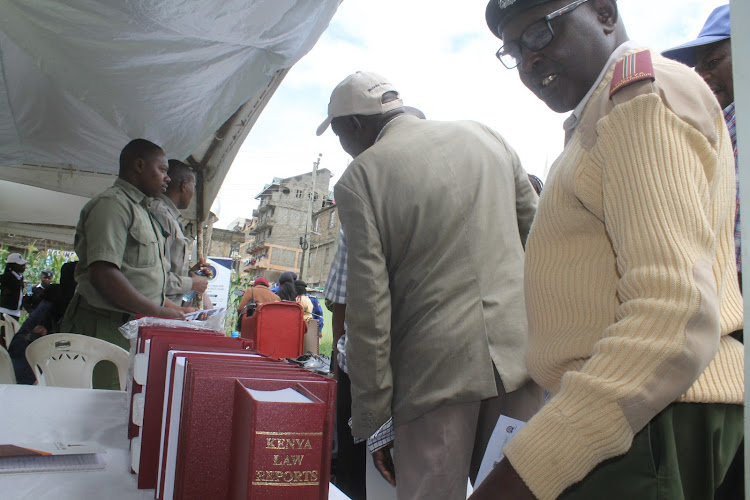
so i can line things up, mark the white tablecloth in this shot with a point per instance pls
(32, 414)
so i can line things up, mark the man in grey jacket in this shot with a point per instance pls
(436, 216)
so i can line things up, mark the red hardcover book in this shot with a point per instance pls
(277, 444)
(145, 333)
(277, 329)
(154, 396)
(176, 361)
(203, 458)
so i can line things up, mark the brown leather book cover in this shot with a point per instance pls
(203, 457)
(154, 400)
(277, 444)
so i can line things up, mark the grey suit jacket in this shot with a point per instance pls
(436, 215)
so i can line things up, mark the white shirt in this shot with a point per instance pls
(571, 122)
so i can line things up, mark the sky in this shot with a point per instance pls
(441, 59)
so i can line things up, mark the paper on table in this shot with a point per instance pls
(51, 463)
(504, 430)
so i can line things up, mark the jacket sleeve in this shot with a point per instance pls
(662, 206)
(177, 284)
(526, 199)
(368, 315)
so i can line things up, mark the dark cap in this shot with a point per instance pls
(47, 273)
(499, 12)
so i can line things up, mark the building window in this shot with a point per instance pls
(298, 193)
(317, 221)
(269, 232)
(333, 220)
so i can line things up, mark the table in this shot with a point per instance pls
(31, 414)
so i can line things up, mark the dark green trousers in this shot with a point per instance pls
(84, 319)
(683, 453)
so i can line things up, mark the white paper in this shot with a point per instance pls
(505, 428)
(140, 368)
(139, 405)
(287, 395)
(204, 314)
(55, 463)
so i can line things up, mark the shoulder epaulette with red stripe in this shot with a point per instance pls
(632, 68)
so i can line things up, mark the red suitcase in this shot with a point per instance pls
(276, 329)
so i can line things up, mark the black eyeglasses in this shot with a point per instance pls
(535, 37)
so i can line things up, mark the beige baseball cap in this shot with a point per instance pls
(360, 94)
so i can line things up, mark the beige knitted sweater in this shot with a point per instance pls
(631, 285)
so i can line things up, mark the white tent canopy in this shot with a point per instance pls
(81, 78)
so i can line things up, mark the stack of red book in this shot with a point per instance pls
(222, 421)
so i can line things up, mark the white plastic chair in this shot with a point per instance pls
(7, 374)
(68, 360)
(10, 326)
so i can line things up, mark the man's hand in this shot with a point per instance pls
(200, 283)
(505, 479)
(384, 463)
(203, 267)
(170, 313)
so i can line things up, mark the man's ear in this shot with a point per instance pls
(606, 13)
(353, 123)
(138, 165)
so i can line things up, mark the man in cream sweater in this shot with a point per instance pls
(631, 291)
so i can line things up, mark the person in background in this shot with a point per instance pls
(30, 302)
(166, 209)
(317, 312)
(351, 456)
(286, 289)
(630, 274)
(711, 55)
(258, 293)
(437, 377)
(121, 271)
(303, 300)
(68, 282)
(43, 320)
(11, 286)
(536, 183)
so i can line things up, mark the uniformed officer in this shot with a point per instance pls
(166, 209)
(30, 302)
(121, 250)
(631, 291)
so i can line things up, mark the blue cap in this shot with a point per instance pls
(715, 30)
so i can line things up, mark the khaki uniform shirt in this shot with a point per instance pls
(176, 248)
(117, 227)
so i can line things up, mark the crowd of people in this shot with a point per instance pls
(616, 293)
